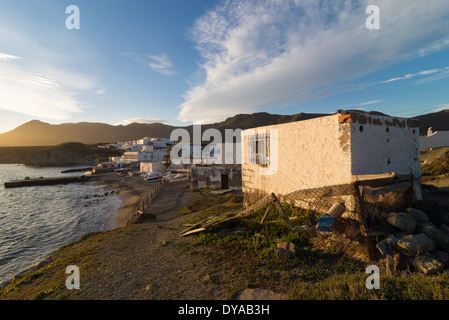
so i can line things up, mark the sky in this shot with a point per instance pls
(180, 62)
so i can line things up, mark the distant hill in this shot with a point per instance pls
(439, 121)
(71, 153)
(37, 133)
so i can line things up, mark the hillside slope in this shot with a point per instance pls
(37, 133)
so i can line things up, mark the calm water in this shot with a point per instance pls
(36, 221)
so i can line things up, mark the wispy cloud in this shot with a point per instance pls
(42, 80)
(30, 92)
(159, 63)
(260, 54)
(361, 104)
(144, 120)
(7, 57)
(416, 74)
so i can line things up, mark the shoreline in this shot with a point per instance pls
(131, 190)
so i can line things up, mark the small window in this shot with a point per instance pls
(259, 149)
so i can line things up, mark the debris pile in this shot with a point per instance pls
(418, 238)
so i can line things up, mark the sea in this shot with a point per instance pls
(35, 221)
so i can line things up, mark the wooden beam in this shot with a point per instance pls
(265, 215)
(375, 192)
(278, 206)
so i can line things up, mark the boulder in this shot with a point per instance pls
(418, 215)
(444, 228)
(287, 248)
(445, 218)
(428, 264)
(432, 209)
(400, 262)
(414, 244)
(443, 257)
(440, 237)
(392, 239)
(402, 221)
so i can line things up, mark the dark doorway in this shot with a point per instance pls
(224, 181)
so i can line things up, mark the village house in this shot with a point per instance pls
(434, 139)
(326, 151)
(228, 177)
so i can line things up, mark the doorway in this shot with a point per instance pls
(224, 181)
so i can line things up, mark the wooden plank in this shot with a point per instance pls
(194, 225)
(265, 215)
(375, 192)
(417, 189)
(278, 206)
(256, 206)
(192, 232)
(380, 180)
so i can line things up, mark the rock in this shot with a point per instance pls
(402, 221)
(392, 239)
(286, 248)
(414, 244)
(418, 215)
(444, 228)
(440, 237)
(443, 257)
(400, 262)
(384, 247)
(428, 264)
(259, 294)
(432, 209)
(301, 228)
(445, 217)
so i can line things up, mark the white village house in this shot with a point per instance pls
(326, 151)
(434, 139)
(147, 152)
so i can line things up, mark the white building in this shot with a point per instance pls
(326, 151)
(433, 139)
(137, 156)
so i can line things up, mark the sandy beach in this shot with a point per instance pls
(132, 189)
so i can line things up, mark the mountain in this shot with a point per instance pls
(37, 133)
(439, 121)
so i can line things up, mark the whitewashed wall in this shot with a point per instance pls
(382, 144)
(437, 140)
(330, 150)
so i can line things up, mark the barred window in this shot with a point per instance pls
(259, 149)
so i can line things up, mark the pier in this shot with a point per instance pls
(45, 181)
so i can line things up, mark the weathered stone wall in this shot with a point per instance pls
(210, 176)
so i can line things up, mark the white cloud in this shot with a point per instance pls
(159, 63)
(52, 94)
(260, 54)
(7, 57)
(361, 104)
(47, 73)
(412, 75)
(143, 120)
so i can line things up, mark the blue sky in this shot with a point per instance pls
(184, 61)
